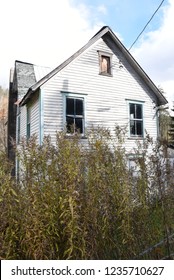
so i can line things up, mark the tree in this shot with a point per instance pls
(171, 130)
(164, 121)
(3, 118)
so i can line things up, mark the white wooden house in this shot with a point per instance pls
(100, 85)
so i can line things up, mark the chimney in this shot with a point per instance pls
(11, 75)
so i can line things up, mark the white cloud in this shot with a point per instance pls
(46, 32)
(43, 32)
(155, 52)
(102, 9)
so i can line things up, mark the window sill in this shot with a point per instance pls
(106, 74)
(136, 138)
(75, 135)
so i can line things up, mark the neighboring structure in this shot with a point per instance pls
(100, 85)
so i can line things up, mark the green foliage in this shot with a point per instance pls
(164, 124)
(79, 200)
(3, 118)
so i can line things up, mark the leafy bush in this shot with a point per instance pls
(79, 200)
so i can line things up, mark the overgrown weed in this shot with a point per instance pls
(75, 201)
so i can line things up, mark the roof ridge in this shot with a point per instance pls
(103, 31)
(53, 72)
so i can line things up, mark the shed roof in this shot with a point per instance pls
(105, 30)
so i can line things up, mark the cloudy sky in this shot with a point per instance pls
(46, 32)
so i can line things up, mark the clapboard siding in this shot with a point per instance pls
(106, 98)
(35, 118)
(23, 121)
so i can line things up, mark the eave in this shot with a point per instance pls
(161, 100)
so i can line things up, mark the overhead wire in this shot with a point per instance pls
(127, 121)
(136, 38)
(146, 25)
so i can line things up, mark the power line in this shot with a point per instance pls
(146, 25)
(90, 79)
(139, 34)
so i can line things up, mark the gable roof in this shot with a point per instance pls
(105, 30)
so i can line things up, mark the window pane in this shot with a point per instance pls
(79, 107)
(138, 111)
(132, 111)
(132, 127)
(139, 126)
(69, 106)
(136, 119)
(28, 114)
(19, 128)
(28, 122)
(70, 124)
(28, 130)
(79, 125)
(74, 114)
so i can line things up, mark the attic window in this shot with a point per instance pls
(105, 63)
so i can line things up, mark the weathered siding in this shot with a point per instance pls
(106, 98)
(35, 118)
(23, 121)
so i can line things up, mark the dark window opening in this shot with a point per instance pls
(28, 122)
(19, 129)
(75, 115)
(136, 120)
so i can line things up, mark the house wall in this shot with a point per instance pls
(35, 118)
(106, 98)
(23, 122)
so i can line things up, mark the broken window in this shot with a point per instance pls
(105, 63)
(74, 115)
(136, 119)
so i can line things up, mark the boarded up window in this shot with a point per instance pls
(105, 63)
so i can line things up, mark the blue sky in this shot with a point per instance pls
(126, 17)
(46, 32)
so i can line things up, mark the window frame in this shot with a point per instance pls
(28, 127)
(107, 55)
(83, 117)
(18, 125)
(133, 165)
(18, 128)
(134, 102)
